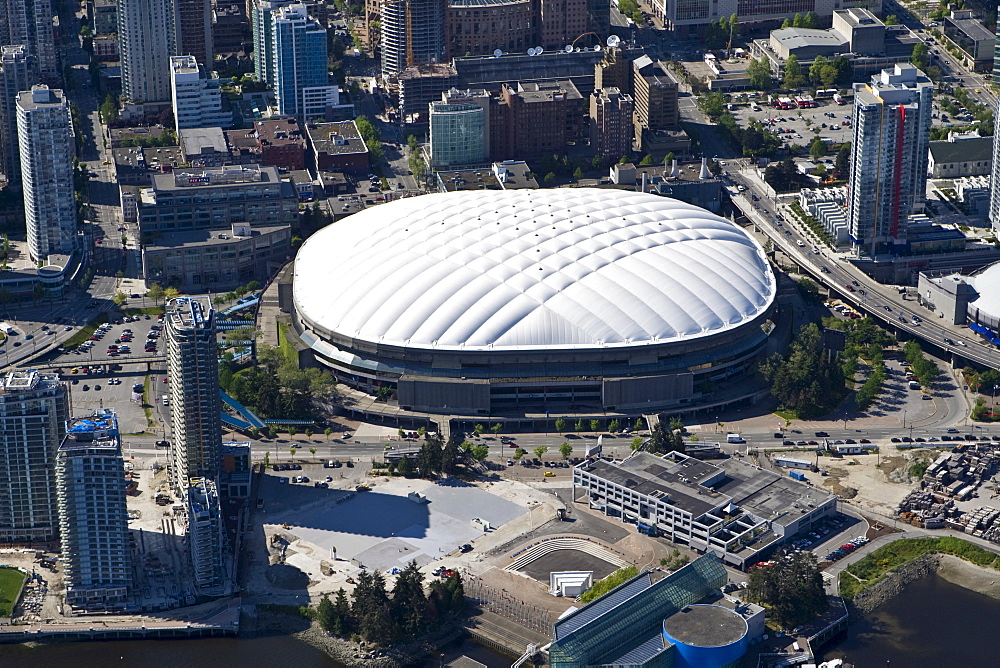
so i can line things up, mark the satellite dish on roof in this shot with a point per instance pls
(568, 48)
(539, 50)
(531, 51)
(597, 47)
(497, 53)
(613, 41)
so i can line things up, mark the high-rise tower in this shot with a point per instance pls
(146, 40)
(193, 369)
(45, 138)
(29, 22)
(33, 413)
(93, 518)
(18, 71)
(301, 79)
(892, 121)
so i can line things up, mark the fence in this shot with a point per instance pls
(505, 604)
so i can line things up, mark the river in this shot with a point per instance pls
(931, 623)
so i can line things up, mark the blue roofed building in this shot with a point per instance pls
(681, 620)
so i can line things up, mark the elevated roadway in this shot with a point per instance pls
(883, 302)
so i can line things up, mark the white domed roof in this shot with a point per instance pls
(531, 269)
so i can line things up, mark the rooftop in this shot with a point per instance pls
(963, 150)
(336, 138)
(508, 175)
(705, 626)
(197, 238)
(199, 141)
(121, 134)
(972, 28)
(281, 131)
(98, 430)
(676, 483)
(858, 16)
(545, 91)
(215, 177)
(800, 38)
(189, 313)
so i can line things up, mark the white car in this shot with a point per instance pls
(800, 243)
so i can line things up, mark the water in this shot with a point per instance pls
(275, 651)
(931, 623)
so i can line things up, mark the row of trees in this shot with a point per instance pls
(806, 379)
(382, 617)
(754, 139)
(614, 426)
(925, 370)
(373, 139)
(666, 438)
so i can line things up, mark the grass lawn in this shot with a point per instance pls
(149, 310)
(85, 332)
(11, 580)
(787, 415)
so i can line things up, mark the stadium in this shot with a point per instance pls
(511, 303)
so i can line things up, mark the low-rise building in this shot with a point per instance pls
(961, 154)
(827, 206)
(281, 142)
(204, 147)
(338, 147)
(947, 293)
(506, 175)
(216, 198)
(135, 166)
(216, 259)
(731, 508)
(974, 41)
(138, 136)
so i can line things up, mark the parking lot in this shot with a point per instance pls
(828, 121)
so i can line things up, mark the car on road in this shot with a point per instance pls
(949, 341)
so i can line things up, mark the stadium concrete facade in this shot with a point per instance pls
(560, 301)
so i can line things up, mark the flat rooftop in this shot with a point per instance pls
(336, 138)
(674, 482)
(280, 132)
(200, 238)
(705, 626)
(766, 494)
(189, 312)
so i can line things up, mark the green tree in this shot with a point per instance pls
(171, 293)
(577, 174)
(429, 459)
(759, 74)
(805, 379)
(371, 609)
(797, 21)
(595, 425)
(496, 428)
(325, 614)
(809, 20)
(109, 110)
(560, 425)
(120, 299)
(842, 163)
(549, 179)
(819, 62)
(668, 158)
(791, 586)
(405, 467)
(540, 450)
(636, 442)
(520, 452)
(480, 452)
(817, 149)
(646, 160)
(579, 426)
(919, 57)
(478, 430)
(565, 450)
(155, 293)
(891, 20)
(614, 426)
(793, 74)
(786, 24)
(639, 425)
(409, 604)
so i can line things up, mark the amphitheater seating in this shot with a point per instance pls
(548, 546)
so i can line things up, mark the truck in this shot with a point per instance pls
(838, 98)
(797, 475)
(734, 438)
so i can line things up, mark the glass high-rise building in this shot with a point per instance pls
(888, 177)
(458, 134)
(299, 73)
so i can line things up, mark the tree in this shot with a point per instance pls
(478, 430)
(109, 110)
(668, 158)
(577, 174)
(797, 21)
(327, 432)
(919, 56)
(565, 450)
(520, 452)
(595, 425)
(614, 426)
(325, 614)
(560, 425)
(409, 603)
(120, 299)
(817, 149)
(759, 73)
(496, 428)
(371, 608)
(549, 179)
(155, 292)
(540, 450)
(842, 163)
(405, 467)
(786, 24)
(480, 452)
(891, 20)
(639, 425)
(819, 62)
(646, 160)
(171, 293)
(579, 426)
(809, 20)
(429, 459)
(793, 73)
(790, 585)
(805, 380)
(636, 442)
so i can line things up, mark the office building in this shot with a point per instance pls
(193, 369)
(687, 17)
(33, 412)
(412, 33)
(146, 42)
(301, 79)
(261, 16)
(105, 17)
(536, 119)
(193, 30)
(655, 94)
(611, 123)
(18, 72)
(460, 129)
(280, 142)
(30, 22)
(195, 96)
(729, 507)
(213, 198)
(93, 519)
(205, 535)
(975, 43)
(217, 259)
(892, 121)
(45, 138)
